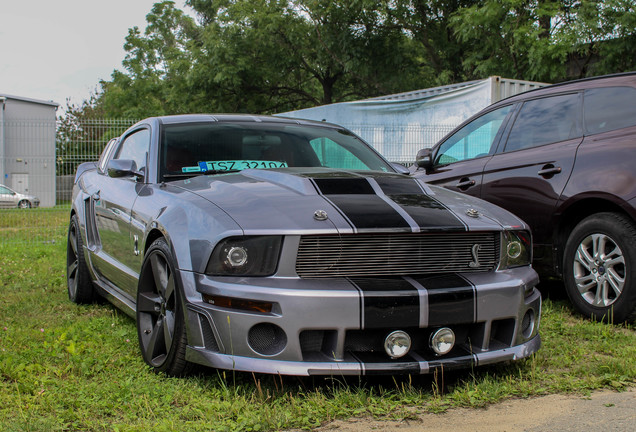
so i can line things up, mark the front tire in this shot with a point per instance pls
(600, 267)
(78, 280)
(160, 314)
(24, 204)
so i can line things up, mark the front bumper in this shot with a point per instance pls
(337, 326)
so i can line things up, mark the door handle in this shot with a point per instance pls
(549, 170)
(465, 183)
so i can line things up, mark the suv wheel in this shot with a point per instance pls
(600, 267)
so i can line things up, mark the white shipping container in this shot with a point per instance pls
(399, 125)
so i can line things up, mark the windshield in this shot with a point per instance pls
(210, 148)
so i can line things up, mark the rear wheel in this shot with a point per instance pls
(78, 280)
(600, 267)
(160, 315)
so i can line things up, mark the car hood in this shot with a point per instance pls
(320, 200)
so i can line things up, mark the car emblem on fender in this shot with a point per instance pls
(472, 213)
(320, 215)
(475, 251)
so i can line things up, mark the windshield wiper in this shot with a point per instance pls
(181, 175)
(198, 173)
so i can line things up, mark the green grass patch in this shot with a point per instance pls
(40, 225)
(65, 367)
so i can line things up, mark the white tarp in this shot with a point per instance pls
(399, 125)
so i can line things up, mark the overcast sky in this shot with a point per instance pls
(59, 49)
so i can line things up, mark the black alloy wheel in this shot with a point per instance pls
(160, 318)
(78, 281)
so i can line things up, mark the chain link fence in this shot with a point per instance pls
(39, 159)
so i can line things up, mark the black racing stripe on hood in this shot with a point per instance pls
(451, 299)
(344, 186)
(388, 302)
(369, 212)
(427, 212)
(358, 202)
(397, 186)
(386, 202)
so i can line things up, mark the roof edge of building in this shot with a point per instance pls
(25, 99)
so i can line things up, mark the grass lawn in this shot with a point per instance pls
(67, 367)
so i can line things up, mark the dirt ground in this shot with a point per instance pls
(606, 411)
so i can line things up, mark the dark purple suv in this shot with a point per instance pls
(563, 158)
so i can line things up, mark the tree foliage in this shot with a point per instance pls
(267, 56)
(547, 40)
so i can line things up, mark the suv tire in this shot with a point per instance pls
(600, 267)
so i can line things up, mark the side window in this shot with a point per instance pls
(5, 191)
(474, 140)
(609, 108)
(135, 147)
(106, 154)
(333, 155)
(544, 121)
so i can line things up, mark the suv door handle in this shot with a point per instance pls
(465, 183)
(549, 170)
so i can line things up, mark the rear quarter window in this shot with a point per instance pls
(609, 108)
(545, 121)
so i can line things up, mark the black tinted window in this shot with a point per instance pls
(609, 108)
(194, 148)
(135, 147)
(545, 121)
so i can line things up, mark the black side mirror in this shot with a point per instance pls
(424, 158)
(123, 168)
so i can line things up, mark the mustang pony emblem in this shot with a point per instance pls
(475, 251)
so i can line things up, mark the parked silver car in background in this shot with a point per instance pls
(12, 199)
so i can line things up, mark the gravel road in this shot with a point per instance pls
(604, 411)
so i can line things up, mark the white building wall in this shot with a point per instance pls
(27, 147)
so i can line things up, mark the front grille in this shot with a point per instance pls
(395, 254)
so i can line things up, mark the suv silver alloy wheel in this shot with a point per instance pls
(599, 267)
(599, 270)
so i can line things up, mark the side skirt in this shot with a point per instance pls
(117, 297)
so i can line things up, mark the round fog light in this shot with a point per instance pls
(442, 341)
(527, 324)
(397, 344)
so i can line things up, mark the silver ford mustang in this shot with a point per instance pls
(291, 247)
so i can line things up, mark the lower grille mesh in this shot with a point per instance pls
(396, 254)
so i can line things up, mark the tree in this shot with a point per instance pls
(546, 40)
(81, 134)
(156, 66)
(427, 23)
(267, 56)
(272, 56)
(260, 56)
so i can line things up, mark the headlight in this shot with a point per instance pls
(516, 249)
(245, 256)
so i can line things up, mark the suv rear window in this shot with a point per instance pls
(609, 108)
(544, 121)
